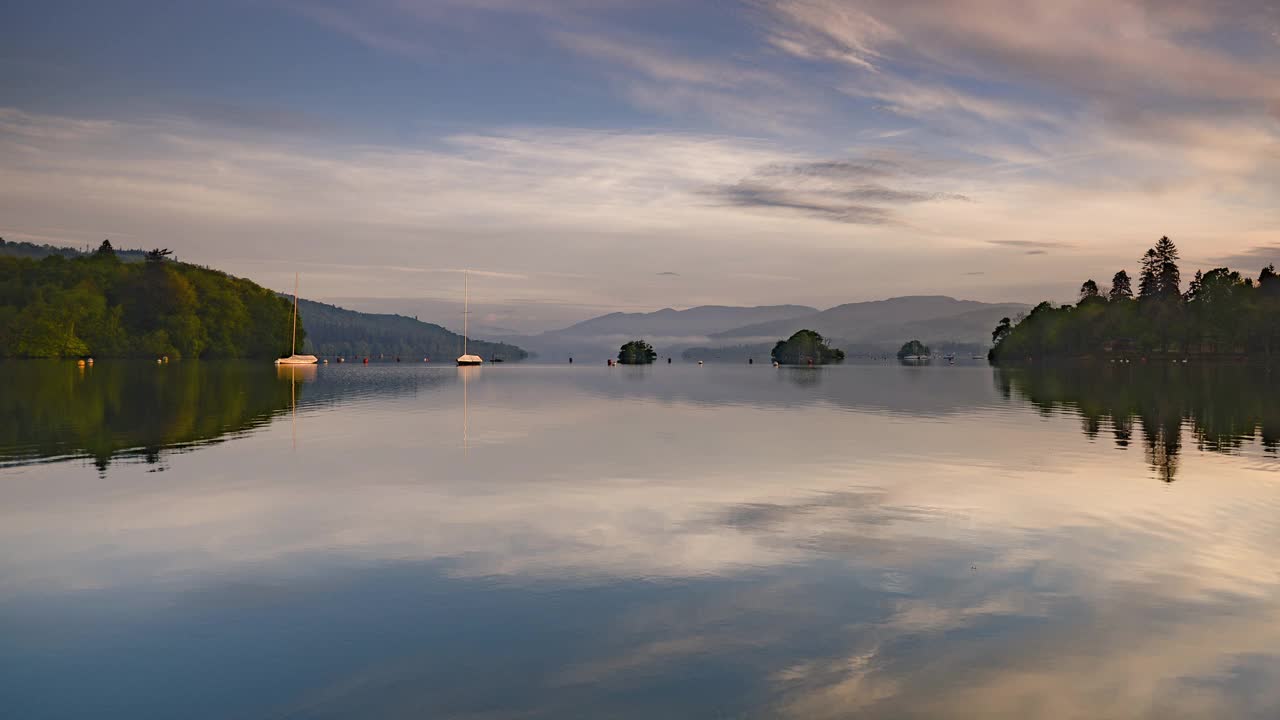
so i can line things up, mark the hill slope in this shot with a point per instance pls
(332, 330)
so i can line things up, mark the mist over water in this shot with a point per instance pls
(872, 540)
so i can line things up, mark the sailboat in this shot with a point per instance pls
(294, 358)
(464, 358)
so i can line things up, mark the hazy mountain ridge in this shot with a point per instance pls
(700, 320)
(668, 330)
(855, 321)
(868, 328)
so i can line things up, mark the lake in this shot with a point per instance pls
(225, 540)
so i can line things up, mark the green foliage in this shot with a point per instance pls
(1221, 313)
(95, 304)
(637, 352)
(337, 331)
(805, 347)
(913, 348)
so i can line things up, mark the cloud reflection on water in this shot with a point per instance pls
(810, 551)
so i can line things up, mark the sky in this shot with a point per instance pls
(591, 156)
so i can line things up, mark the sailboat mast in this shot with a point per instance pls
(294, 351)
(466, 307)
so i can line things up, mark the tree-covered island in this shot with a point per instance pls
(913, 350)
(637, 352)
(805, 347)
(1220, 314)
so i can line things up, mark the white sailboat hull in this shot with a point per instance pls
(298, 360)
(470, 360)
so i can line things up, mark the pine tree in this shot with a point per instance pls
(1167, 273)
(1121, 287)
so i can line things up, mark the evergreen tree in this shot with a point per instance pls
(1121, 287)
(1149, 276)
(1089, 291)
(105, 249)
(1169, 277)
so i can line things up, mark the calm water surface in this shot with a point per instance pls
(223, 541)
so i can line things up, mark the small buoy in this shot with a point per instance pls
(340, 359)
(158, 361)
(326, 361)
(775, 364)
(79, 363)
(699, 362)
(90, 361)
(751, 361)
(366, 361)
(668, 361)
(570, 360)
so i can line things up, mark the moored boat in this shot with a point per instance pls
(294, 358)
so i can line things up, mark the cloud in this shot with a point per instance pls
(843, 190)
(1035, 244)
(1252, 258)
(668, 272)
(1105, 71)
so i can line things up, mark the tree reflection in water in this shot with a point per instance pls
(1222, 406)
(130, 408)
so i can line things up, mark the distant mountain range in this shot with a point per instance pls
(667, 330)
(860, 328)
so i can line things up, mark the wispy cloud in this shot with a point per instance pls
(843, 190)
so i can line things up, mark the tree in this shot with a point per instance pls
(1149, 276)
(637, 352)
(1170, 277)
(913, 348)
(805, 347)
(1089, 291)
(1001, 331)
(158, 255)
(105, 249)
(1269, 282)
(1121, 287)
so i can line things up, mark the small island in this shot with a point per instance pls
(913, 350)
(1221, 314)
(805, 347)
(637, 352)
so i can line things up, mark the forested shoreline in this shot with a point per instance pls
(1221, 314)
(96, 304)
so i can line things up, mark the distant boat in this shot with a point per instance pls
(466, 359)
(294, 358)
